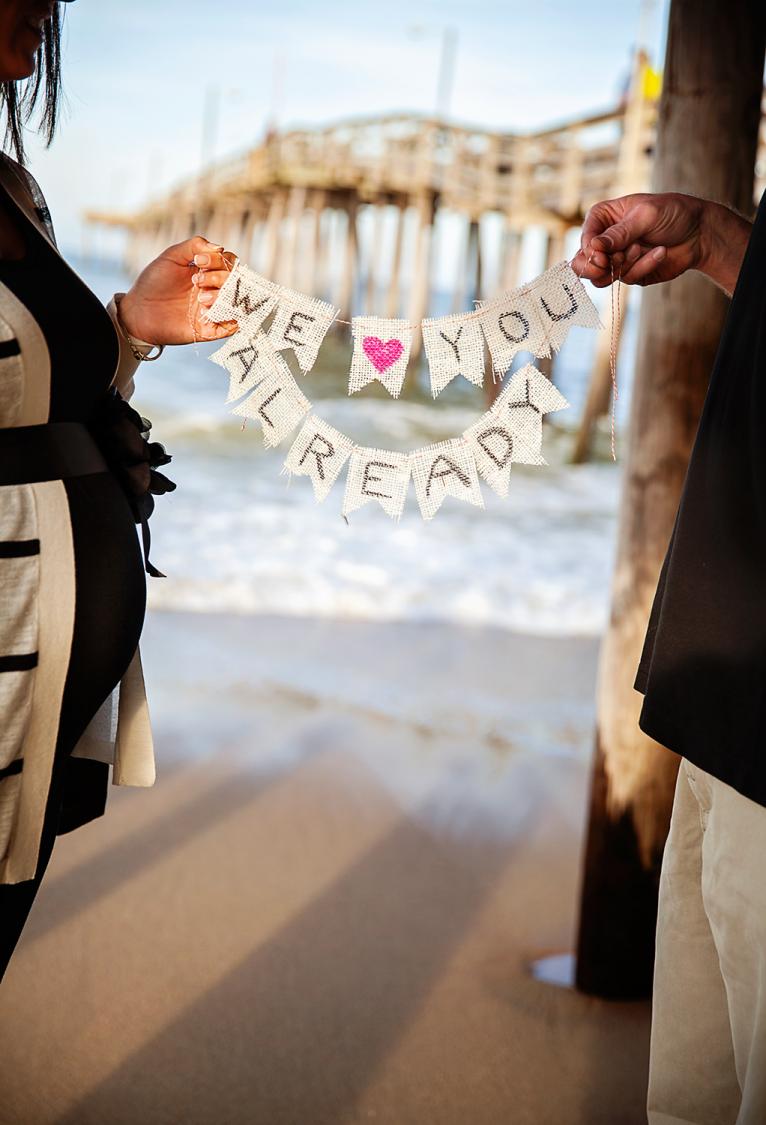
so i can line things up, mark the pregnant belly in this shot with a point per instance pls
(110, 598)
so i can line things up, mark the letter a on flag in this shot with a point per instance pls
(248, 360)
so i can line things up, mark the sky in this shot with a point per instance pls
(138, 78)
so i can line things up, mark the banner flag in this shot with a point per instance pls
(381, 351)
(563, 302)
(377, 474)
(493, 445)
(319, 452)
(532, 385)
(246, 297)
(521, 405)
(445, 469)
(278, 404)
(454, 345)
(511, 324)
(248, 361)
(301, 323)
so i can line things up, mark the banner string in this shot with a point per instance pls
(473, 315)
(614, 329)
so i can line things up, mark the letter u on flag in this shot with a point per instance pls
(562, 303)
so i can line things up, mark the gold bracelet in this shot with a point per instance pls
(134, 344)
(138, 354)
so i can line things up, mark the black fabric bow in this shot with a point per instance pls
(122, 436)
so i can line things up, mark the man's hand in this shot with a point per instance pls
(645, 239)
(165, 302)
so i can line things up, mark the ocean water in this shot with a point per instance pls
(237, 535)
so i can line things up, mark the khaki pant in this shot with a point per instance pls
(708, 1048)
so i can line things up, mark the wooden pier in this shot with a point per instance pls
(295, 206)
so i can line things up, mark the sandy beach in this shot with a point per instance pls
(324, 911)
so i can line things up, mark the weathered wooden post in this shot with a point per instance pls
(310, 247)
(420, 295)
(323, 239)
(288, 264)
(476, 260)
(708, 125)
(250, 220)
(511, 256)
(273, 231)
(350, 261)
(462, 280)
(375, 249)
(392, 300)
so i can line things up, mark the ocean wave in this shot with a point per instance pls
(241, 538)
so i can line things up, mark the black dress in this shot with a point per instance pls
(110, 590)
(703, 668)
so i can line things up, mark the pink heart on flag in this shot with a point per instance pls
(382, 354)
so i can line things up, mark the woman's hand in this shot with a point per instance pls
(165, 302)
(645, 239)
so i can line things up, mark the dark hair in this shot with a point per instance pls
(20, 99)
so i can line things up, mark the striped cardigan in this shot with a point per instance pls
(37, 595)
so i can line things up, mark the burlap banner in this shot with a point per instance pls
(533, 319)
